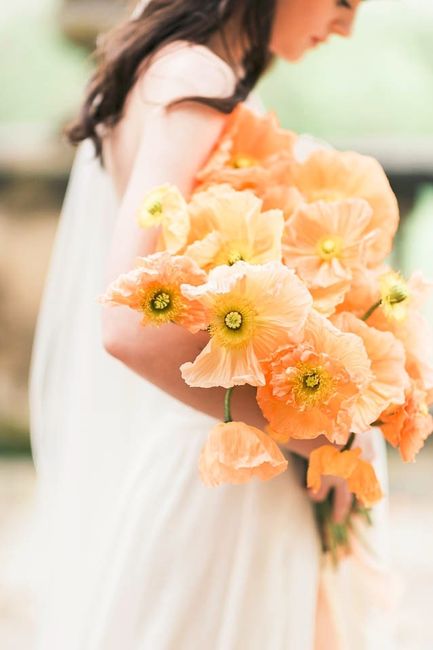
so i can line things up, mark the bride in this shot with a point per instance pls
(135, 552)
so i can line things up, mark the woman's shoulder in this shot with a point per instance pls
(181, 68)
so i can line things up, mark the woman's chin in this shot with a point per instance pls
(292, 55)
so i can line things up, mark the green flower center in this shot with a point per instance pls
(155, 208)
(242, 161)
(233, 320)
(234, 256)
(398, 293)
(311, 380)
(160, 301)
(328, 246)
(312, 385)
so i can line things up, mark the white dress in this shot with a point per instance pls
(135, 552)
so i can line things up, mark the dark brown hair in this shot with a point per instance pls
(120, 51)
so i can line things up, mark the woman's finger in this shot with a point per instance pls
(342, 503)
(321, 492)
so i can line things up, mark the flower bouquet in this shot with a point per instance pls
(279, 254)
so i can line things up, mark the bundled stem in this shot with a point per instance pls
(227, 404)
(334, 537)
(371, 310)
(349, 443)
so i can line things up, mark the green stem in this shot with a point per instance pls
(349, 443)
(227, 400)
(371, 310)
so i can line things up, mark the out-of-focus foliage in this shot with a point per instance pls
(41, 73)
(380, 81)
(417, 236)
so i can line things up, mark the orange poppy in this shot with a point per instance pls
(389, 380)
(252, 151)
(332, 175)
(361, 478)
(325, 241)
(312, 387)
(408, 425)
(153, 288)
(235, 452)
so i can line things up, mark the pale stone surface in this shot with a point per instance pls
(26, 247)
(412, 541)
(17, 483)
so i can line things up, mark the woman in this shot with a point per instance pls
(140, 555)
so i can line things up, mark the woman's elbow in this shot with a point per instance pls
(113, 338)
(124, 338)
(113, 343)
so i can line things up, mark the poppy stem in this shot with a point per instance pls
(227, 400)
(349, 443)
(371, 310)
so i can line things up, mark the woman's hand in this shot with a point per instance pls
(342, 496)
(342, 502)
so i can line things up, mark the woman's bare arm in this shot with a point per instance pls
(156, 355)
(174, 144)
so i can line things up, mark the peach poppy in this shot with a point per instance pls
(399, 296)
(252, 150)
(153, 288)
(399, 314)
(417, 337)
(395, 298)
(313, 386)
(165, 206)
(235, 452)
(359, 474)
(389, 380)
(331, 175)
(228, 226)
(324, 241)
(253, 309)
(408, 425)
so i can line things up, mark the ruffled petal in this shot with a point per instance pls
(389, 380)
(329, 174)
(360, 475)
(217, 366)
(236, 452)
